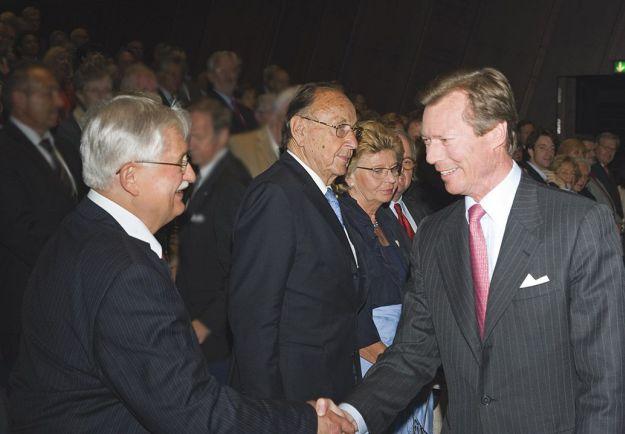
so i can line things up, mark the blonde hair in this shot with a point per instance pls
(569, 145)
(373, 137)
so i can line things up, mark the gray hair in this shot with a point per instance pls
(123, 129)
(284, 98)
(211, 62)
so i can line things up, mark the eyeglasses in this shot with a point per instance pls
(341, 129)
(382, 172)
(408, 163)
(184, 162)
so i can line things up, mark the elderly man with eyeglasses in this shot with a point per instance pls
(107, 344)
(294, 288)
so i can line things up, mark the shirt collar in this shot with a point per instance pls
(229, 99)
(31, 134)
(312, 174)
(272, 142)
(538, 170)
(498, 202)
(210, 166)
(127, 220)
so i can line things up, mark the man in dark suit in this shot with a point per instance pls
(541, 150)
(223, 69)
(517, 290)
(406, 209)
(36, 189)
(607, 145)
(294, 294)
(107, 343)
(205, 233)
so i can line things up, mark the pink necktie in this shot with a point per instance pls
(479, 264)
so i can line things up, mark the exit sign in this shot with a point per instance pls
(619, 66)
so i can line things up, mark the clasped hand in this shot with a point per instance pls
(331, 419)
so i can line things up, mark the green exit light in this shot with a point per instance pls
(619, 66)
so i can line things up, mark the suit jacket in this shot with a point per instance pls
(244, 121)
(294, 294)
(598, 172)
(533, 173)
(552, 358)
(205, 238)
(34, 203)
(108, 346)
(254, 150)
(67, 140)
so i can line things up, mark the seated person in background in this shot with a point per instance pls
(380, 241)
(59, 61)
(581, 186)
(524, 128)
(138, 78)
(541, 149)
(572, 147)
(275, 79)
(93, 84)
(563, 172)
(259, 149)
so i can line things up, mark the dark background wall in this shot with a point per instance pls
(385, 49)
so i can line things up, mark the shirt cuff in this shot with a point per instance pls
(355, 414)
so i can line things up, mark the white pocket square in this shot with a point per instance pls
(530, 281)
(197, 218)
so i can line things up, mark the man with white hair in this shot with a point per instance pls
(107, 343)
(223, 69)
(259, 149)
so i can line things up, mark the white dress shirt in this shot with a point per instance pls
(127, 220)
(497, 204)
(323, 188)
(406, 212)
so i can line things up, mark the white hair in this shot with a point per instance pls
(123, 129)
(284, 98)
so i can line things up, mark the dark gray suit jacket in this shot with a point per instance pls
(552, 359)
(108, 347)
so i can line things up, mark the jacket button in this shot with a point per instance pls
(486, 400)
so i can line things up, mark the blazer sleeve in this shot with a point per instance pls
(407, 365)
(147, 354)
(597, 319)
(257, 287)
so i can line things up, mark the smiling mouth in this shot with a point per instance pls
(448, 172)
(182, 187)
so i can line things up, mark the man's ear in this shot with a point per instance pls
(298, 128)
(498, 134)
(128, 178)
(222, 137)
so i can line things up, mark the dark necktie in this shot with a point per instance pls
(237, 112)
(58, 168)
(479, 264)
(403, 220)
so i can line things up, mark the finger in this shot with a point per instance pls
(321, 406)
(344, 424)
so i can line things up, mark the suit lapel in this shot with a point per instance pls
(199, 197)
(29, 149)
(319, 201)
(521, 238)
(453, 259)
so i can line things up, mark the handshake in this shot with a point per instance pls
(331, 419)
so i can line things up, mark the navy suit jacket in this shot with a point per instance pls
(553, 354)
(206, 247)
(33, 205)
(108, 346)
(294, 295)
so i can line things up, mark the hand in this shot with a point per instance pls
(201, 331)
(335, 421)
(372, 352)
